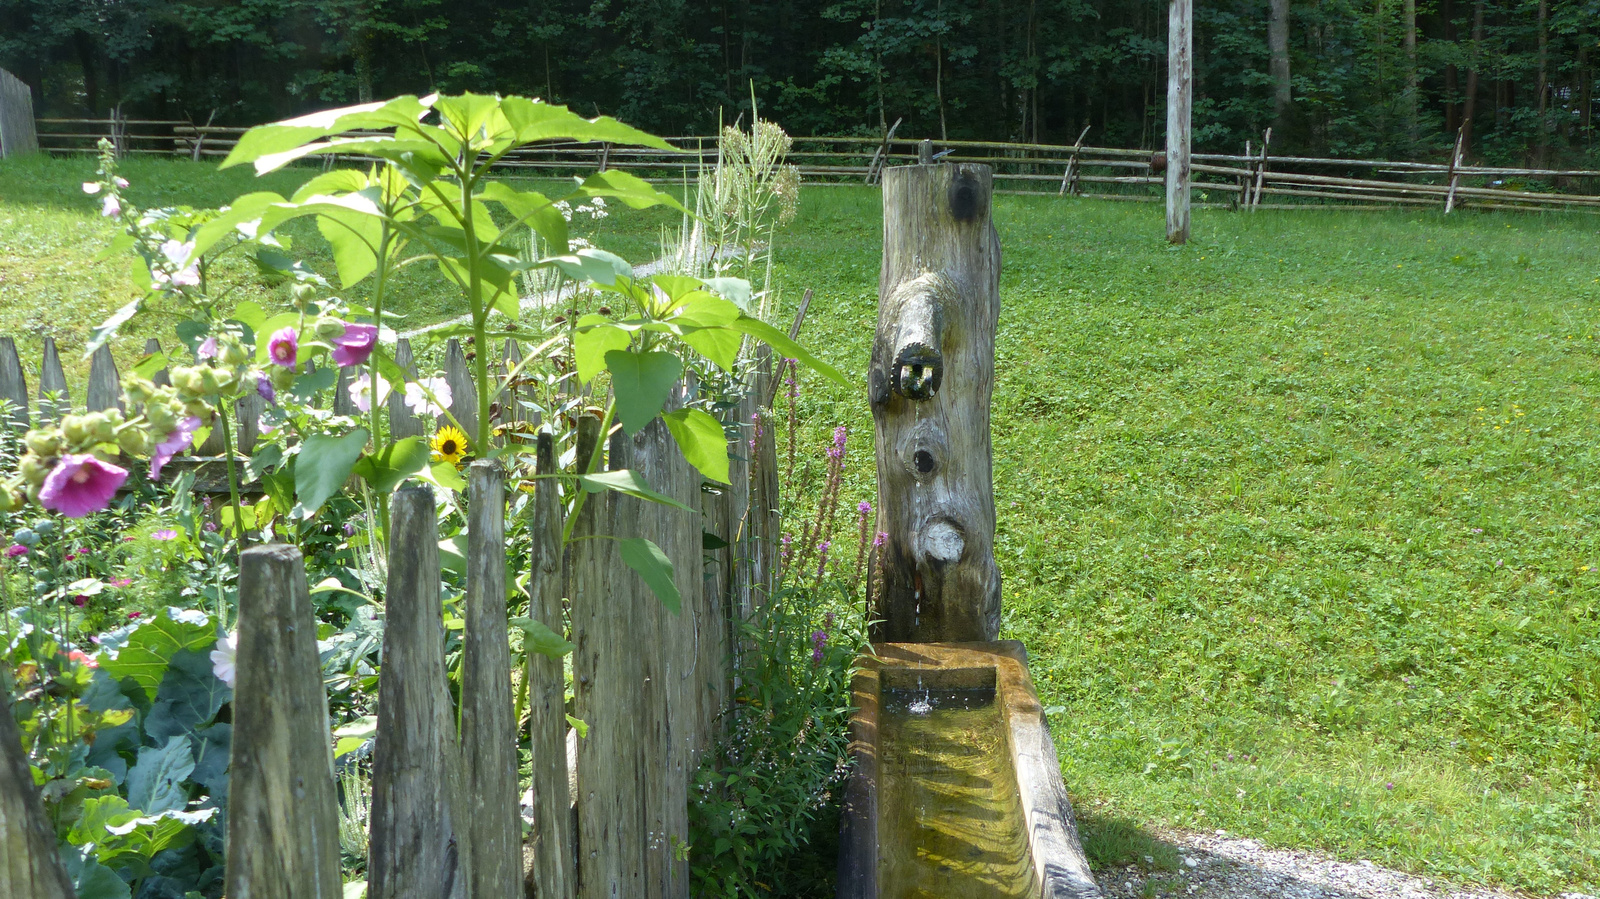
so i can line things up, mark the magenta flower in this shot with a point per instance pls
(164, 534)
(122, 582)
(877, 542)
(208, 350)
(284, 347)
(865, 508)
(16, 549)
(265, 391)
(355, 344)
(80, 600)
(80, 485)
(132, 615)
(176, 442)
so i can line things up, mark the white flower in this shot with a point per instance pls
(189, 277)
(111, 208)
(177, 252)
(417, 396)
(222, 658)
(91, 187)
(120, 182)
(361, 392)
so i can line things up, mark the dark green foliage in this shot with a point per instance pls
(990, 69)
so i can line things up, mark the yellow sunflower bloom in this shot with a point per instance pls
(449, 445)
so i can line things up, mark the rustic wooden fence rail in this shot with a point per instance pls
(1240, 181)
(610, 810)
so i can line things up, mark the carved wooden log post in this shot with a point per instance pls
(29, 865)
(930, 380)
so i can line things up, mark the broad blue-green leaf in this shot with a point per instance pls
(702, 440)
(189, 697)
(596, 336)
(211, 756)
(538, 637)
(250, 314)
(642, 382)
(653, 567)
(151, 646)
(720, 345)
(780, 341)
(308, 385)
(628, 483)
(155, 784)
(324, 465)
(89, 878)
(385, 469)
(596, 266)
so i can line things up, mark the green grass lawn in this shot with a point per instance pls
(1295, 521)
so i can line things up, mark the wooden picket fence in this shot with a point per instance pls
(650, 685)
(1242, 180)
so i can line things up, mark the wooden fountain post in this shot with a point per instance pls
(929, 384)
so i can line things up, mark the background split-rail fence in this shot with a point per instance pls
(651, 685)
(1250, 179)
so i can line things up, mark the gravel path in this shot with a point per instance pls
(1222, 866)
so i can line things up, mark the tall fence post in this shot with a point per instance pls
(29, 865)
(552, 875)
(13, 383)
(105, 388)
(463, 392)
(17, 131)
(283, 819)
(418, 846)
(402, 423)
(488, 733)
(1180, 96)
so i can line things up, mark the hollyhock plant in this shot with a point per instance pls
(284, 347)
(355, 344)
(417, 396)
(112, 207)
(81, 485)
(223, 658)
(361, 392)
(176, 442)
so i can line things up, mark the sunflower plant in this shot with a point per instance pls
(432, 199)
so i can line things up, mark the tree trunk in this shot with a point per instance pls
(1452, 83)
(1278, 61)
(1409, 25)
(929, 384)
(1180, 95)
(1471, 102)
(1541, 153)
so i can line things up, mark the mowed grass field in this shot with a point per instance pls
(1297, 521)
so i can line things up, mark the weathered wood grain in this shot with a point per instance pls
(418, 832)
(18, 135)
(283, 820)
(14, 384)
(463, 391)
(54, 399)
(160, 378)
(607, 685)
(247, 412)
(929, 384)
(29, 865)
(553, 875)
(402, 423)
(343, 404)
(488, 731)
(105, 387)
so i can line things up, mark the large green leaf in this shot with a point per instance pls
(596, 337)
(628, 483)
(190, 697)
(89, 878)
(702, 440)
(278, 137)
(538, 637)
(630, 189)
(653, 567)
(535, 208)
(386, 469)
(532, 120)
(324, 464)
(156, 782)
(151, 646)
(780, 341)
(597, 266)
(720, 345)
(642, 382)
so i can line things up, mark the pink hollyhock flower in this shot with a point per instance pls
(80, 485)
(417, 396)
(16, 549)
(361, 392)
(122, 582)
(112, 207)
(120, 182)
(134, 614)
(284, 347)
(176, 442)
(189, 277)
(208, 350)
(355, 344)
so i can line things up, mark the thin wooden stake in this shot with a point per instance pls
(1069, 178)
(1261, 170)
(283, 818)
(418, 834)
(402, 423)
(553, 875)
(488, 733)
(13, 383)
(54, 399)
(1455, 163)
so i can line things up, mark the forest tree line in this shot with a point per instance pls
(1379, 78)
